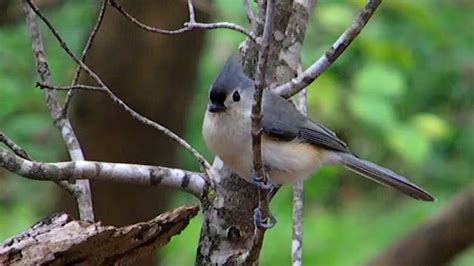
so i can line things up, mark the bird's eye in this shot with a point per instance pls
(236, 96)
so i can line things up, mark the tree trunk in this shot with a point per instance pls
(155, 75)
(438, 240)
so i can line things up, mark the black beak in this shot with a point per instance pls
(216, 107)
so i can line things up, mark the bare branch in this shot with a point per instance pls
(88, 45)
(188, 26)
(201, 160)
(13, 146)
(309, 75)
(192, 16)
(71, 88)
(249, 14)
(260, 84)
(192, 182)
(81, 189)
(436, 241)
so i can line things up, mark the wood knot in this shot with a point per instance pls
(233, 233)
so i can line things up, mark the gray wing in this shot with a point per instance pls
(283, 121)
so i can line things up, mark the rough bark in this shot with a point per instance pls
(227, 231)
(155, 75)
(61, 240)
(438, 240)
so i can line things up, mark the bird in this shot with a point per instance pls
(293, 145)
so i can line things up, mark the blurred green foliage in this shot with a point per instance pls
(402, 96)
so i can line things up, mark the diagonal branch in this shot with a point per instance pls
(81, 189)
(88, 45)
(309, 75)
(192, 182)
(201, 160)
(13, 146)
(249, 14)
(188, 26)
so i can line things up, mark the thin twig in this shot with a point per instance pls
(88, 45)
(260, 84)
(188, 26)
(70, 88)
(192, 16)
(249, 14)
(13, 146)
(298, 196)
(81, 189)
(192, 182)
(296, 32)
(309, 75)
(201, 160)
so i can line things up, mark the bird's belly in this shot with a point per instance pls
(284, 161)
(288, 161)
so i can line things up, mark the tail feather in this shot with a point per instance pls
(384, 176)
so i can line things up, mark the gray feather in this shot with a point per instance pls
(282, 120)
(384, 176)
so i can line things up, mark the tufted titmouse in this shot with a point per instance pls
(293, 146)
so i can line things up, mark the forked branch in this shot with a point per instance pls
(190, 25)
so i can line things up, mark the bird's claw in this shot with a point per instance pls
(260, 183)
(265, 223)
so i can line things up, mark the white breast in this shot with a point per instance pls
(228, 135)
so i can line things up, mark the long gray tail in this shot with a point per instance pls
(384, 176)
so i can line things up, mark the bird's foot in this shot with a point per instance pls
(263, 223)
(260, 183)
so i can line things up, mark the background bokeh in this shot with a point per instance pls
(402, 96)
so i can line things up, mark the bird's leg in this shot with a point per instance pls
(263, 223)
(273, 190)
